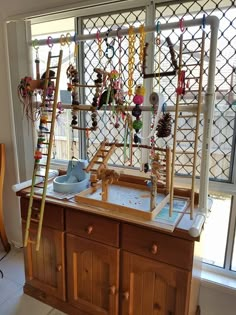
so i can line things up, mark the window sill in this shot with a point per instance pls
(223, 283)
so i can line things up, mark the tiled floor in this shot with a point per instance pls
(12, 299)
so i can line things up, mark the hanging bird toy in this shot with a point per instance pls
(137, 111)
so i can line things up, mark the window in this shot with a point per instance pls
(120, 61)
(63, 136)
(220, 225)
(216, 228)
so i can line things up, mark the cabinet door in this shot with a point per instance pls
(153, 288)
(92, 276)
(45, 268)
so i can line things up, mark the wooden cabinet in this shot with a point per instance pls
(92, 276)
(93, 227)
(53, 215)
(92, 263)
(89, 264)
(153, 288)
(158, 246)
(45, 269)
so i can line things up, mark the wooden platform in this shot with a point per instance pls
(124, 197)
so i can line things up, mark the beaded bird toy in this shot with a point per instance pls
(137, 111)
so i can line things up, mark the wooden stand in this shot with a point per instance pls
(3, 235)
(102, 177)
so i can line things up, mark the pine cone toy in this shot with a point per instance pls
(164, 126)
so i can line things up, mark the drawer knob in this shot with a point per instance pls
(157, 307)
(112, 290)
(58, 268)
(154, 249)
(126, 295)
(89, 229)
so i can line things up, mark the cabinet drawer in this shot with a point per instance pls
(165, 248)
(53, 215)
(93, 227)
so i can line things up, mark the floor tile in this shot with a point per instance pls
(13, 267)
(22, 304)
(1, 246)
(2, 251)
(7, 289)
(10, 254)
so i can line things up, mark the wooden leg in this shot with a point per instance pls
(198, 310)
(3, 235)
(4, 240)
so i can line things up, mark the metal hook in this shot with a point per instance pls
(109, 46)
(158, 27)
(118, 33)
(204, 22)
(62, 40)
(68, 39)
(49, 42)
(181, 24)
(35, 43)
(164, 106)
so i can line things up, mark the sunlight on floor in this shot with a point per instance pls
(216, 228)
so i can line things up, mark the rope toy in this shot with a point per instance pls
(142, 38)
(99, 42)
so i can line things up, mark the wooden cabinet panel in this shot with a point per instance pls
(53, 215)
(92, 227)
(92, 276)
(159, 246)
(154, 272)
(153, 288)
(45, 268)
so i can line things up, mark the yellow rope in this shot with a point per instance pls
(158, 43)
(131, 60)
(142, 38)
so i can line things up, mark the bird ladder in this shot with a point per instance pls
(196, 104)
(44, 143)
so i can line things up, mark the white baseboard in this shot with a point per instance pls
(16, 244)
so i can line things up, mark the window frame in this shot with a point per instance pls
(219, 187)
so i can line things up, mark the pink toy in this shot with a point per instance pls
(138, 99)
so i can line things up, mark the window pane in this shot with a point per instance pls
(233, 263)
(63, 133)
(223, 144)
(216, 230)
(111, 126)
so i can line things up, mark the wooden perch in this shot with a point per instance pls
(165, 73)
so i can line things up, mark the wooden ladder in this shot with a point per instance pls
(194, 115)
(101, 157)
(45, 144)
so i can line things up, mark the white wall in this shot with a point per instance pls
(216, 301)
(28, 8)
(7, 136)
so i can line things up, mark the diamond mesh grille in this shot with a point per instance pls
(106, 120)
(223, 137)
